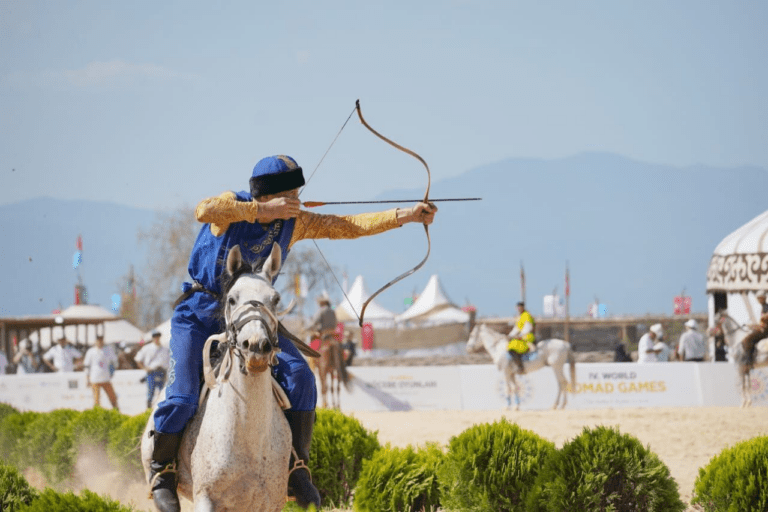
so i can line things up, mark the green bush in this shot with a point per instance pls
(41, 435)
(492, 467)
(87, 501)
(15, 491)
(602, 469)
(339, 445)
(89, 428)
(400, 480)
(13, 432)
(735, 480)
(124, 444)
(7, 410)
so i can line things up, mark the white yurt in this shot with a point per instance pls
(433, 307)
(375, 314)
(737, 270)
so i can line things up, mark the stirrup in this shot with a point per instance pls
(169, 468)
(297, 464)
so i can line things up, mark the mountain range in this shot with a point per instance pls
(633, 234)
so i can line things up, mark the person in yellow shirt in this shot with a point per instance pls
(521, 337)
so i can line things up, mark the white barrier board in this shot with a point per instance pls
(44, 392)
(401, 388)
(471, 387)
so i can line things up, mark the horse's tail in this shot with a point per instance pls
(572, 369)
(341, 368)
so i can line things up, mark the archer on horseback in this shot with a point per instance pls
(521, 337)
(255, 219)
(759, 331)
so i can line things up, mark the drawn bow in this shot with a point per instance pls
(425, 200)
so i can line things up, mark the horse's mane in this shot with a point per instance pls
(226, 281)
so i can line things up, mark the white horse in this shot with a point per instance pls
(234, 453)
(734, 334)
(554, 353)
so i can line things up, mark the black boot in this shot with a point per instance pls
(163, 477)
(300, 484)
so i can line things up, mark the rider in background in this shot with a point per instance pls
(759, 331)
(270, 212)
(521, 337)
(324, 320)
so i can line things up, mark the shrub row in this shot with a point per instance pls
(49, 442)
(488, 467)
(16, 495)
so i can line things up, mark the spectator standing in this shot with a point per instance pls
(62, 357)
(350, 348)
(100, 362)
(662, 351)
(26, 359)
(692, 345)
(154, 358)
(3, 363)
(645, 350)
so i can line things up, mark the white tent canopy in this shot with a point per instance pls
(433, 306)
(740, 261)
(737, 270)
(115, 330)
(350, 307)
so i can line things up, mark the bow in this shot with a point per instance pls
(425, 200)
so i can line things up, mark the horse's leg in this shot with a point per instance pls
(516, 389)
(204, 504)
(562, 386)
(746, 389)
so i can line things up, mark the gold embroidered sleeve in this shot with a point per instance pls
(314, 225)
(223, 210)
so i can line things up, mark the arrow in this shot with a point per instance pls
(314, 204)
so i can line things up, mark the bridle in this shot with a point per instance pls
(228, 346)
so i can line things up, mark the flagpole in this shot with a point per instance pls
(522, 282)
(567, 305)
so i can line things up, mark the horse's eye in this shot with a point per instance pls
(231, 301)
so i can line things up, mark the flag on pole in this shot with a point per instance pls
(567, 282)
(522, 282)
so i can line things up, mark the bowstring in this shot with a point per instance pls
(325, 261)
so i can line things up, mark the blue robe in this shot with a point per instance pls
(195, 319)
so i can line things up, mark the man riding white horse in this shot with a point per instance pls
(521, 337)
(759, 331)
(268, 213)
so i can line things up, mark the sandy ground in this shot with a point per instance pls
(684, 438)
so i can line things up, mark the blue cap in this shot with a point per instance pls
(275, 174)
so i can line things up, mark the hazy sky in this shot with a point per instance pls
(159, 104)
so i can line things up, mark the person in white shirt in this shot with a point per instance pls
(692, 346)
(154, 358)
(662, 352)
(100, 363)
(62, 357)
(645, 351)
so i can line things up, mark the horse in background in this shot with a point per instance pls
(734, 333)
(554, 353)
(235, 451)
(331, 370)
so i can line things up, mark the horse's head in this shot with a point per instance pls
(249, 304)
(474, 344)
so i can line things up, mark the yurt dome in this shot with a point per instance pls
(740, 262)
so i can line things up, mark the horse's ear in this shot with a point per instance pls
(234, 260)
(273, 263)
